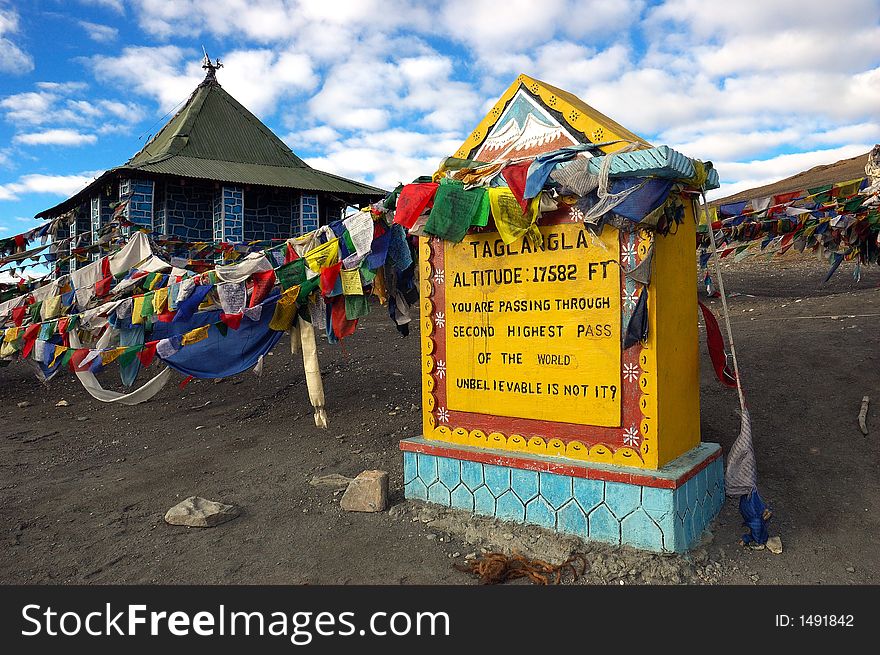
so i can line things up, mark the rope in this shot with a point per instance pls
(717, 266)
(495, 568)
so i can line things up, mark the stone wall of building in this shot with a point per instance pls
(140, 196)
(269, 214)
(308, 213)
(229, 223)
(189, 210)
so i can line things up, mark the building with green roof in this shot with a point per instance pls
(213, 173)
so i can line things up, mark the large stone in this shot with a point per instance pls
(199, 512)
(368, 492)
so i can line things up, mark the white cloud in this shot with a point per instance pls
(114, 5)
(739, 176)
(319, 135)
(57, 137)
(31, 107)
(98, 32)
(258, 78)
(62, 87)
(166, 73)
(388, 157)
(13, 59)
(39, 183)
(66, 114)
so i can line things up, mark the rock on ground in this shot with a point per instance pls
(199, 512)
(368, 492)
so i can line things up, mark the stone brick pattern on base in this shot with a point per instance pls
(649, 518)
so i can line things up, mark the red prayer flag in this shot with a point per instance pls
(262, 285)
(715, 344)
(102, 287)
(516, 175)
(148, 353)
(290, 254)
(18, 315)
(329, 275)
(412, 201)
(342, 327)
(232, 320)
(29, 338)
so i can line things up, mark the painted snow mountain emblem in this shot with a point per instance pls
(524, 130)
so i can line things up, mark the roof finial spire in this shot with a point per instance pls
(211, 68)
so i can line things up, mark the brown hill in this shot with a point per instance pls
(841, 171)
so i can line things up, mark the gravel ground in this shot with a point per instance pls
(83, 488)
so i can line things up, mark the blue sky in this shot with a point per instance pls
(381, 91)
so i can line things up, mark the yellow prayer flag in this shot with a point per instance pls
(11, 334)
(194, 336)
(136, 309)
(285, 312)
(59, 351)
(324, 255)
(160, 299)
(511, 221)
(351, 282)
(110, 356)
(51, 308)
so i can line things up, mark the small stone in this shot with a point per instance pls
(430, 537)
(62, 403)
(456, 554)
(332, 481)
(199, 512)
(368, 492)
(850, 569)
(774, 545)
(82, 418)
(23, 404)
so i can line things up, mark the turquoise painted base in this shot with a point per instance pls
(654, 518)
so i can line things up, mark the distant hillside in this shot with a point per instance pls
(842, 171)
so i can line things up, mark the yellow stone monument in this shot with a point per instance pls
(535, 407)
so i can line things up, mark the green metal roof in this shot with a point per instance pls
(213, 137)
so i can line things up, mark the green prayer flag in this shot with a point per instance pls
(455, 210)
(147, 307)
(35, 311)
(291, 273)
(128, 357)
(349, 244)
(222, 328)
(481, 218)
(367, 274)
(356, 307)
(65, 358)
(307, 287)
(821, 194)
